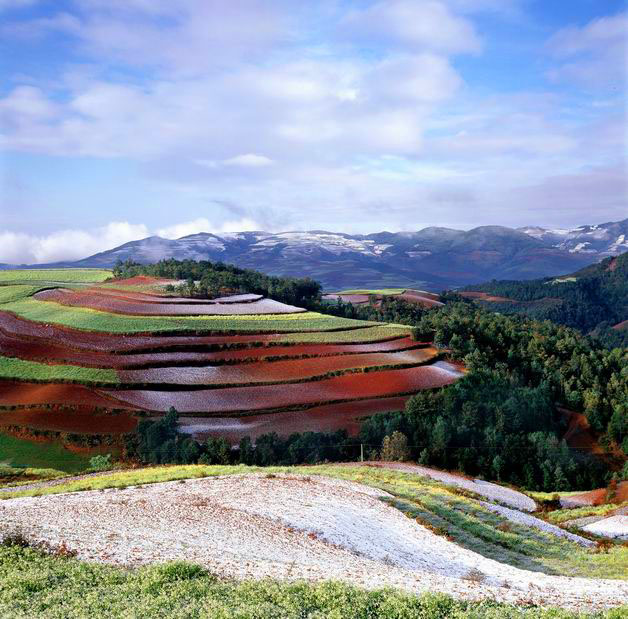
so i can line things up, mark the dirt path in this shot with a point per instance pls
(286, 527)
(494, 492)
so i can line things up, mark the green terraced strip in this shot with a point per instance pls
(55, 275)
(377, 333)
(9, 294)
(19, 369)
(95, 320)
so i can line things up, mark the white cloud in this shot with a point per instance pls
(249, 160)
(411, 25)
(203, 224)
(593, 55)
(20, 248)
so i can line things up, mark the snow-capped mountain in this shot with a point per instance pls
(432, 258)
(600, 240)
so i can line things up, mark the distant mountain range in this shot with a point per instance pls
(432, 258)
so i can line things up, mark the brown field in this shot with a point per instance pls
(326, 418)
(83, 420)
(484, 296)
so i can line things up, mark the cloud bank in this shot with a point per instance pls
(355, 116)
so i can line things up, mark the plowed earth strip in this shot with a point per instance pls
(325, 418)
(81, 421)
(275, 371)
(153, 298)
(329, 391)
(118, 305)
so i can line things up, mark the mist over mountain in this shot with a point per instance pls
(432, 258)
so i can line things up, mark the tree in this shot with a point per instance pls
(395, 448)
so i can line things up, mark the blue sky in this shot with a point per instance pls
(124, 118)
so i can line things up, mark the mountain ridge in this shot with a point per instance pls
(433, 258)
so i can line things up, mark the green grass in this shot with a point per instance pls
(55, 275)
(37, 585)
(563, 515)
(10, 293)
(19, 369)
(16, 452)
(13, 476)
(95, 320)
(383, 291)
(446, 510)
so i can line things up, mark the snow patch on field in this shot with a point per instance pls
(614, 526)
(286, 527)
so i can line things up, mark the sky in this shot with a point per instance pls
(120, 119)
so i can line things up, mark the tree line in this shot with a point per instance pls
(205, 279)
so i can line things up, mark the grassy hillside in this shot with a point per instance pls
(35, 584)
(592, 300)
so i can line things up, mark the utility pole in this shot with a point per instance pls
(361, 452)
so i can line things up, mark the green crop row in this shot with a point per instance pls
(19, 369)
(55, 275)
(379, 333)
(95, 320)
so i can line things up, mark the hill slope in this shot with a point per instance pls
(593, 299)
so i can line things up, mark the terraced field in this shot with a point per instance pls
(362, 297)
(85, 357)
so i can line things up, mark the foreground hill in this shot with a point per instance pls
(593, 300)
(360, 526)
(432, 258)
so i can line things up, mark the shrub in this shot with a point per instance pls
(100, 462)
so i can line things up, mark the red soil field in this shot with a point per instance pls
(621, 325)
(423, 293)
(333, 390)
(119, 305)
(326, 418)
(484, 296)
(28, 394)
(599, 496)
(275, 371)
(46, 352)
(579, 434)
(81, 421)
